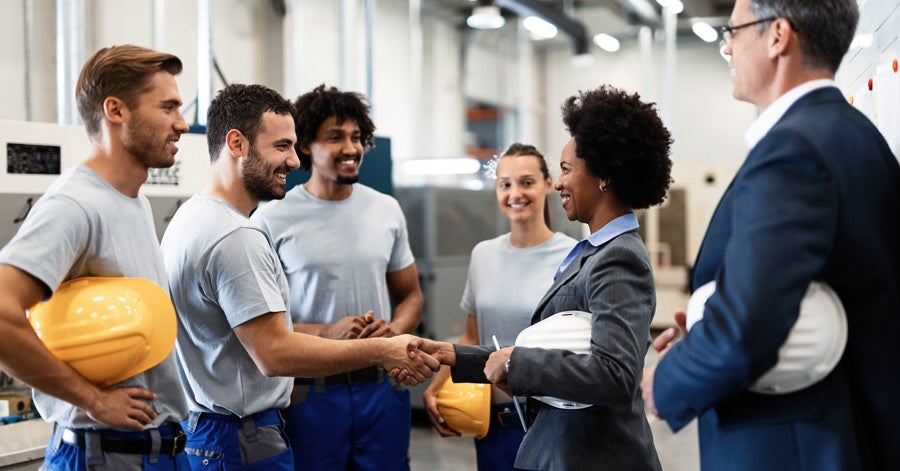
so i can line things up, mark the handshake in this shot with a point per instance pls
(412, 360)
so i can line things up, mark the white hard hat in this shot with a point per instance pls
(567, 330)
(813, 347)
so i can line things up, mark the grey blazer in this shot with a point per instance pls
(614, 282)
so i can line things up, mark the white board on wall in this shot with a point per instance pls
(869, 74)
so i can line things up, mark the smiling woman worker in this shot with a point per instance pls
(617, 161)
(507, 277)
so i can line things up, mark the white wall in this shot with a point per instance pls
(707, 123)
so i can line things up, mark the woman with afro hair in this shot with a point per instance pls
(616, 162)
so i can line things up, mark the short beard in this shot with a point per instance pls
(347, 180)
(257, 176)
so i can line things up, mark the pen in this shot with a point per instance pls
(515, 401)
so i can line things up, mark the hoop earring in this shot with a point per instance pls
(603, 188)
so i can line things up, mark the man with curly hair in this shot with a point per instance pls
(345, 251)
(817, 199)
(616, 162)
(236, 345)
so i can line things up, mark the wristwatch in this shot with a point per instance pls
(507, 366)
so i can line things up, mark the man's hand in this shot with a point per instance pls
(406, 362)
(444, 352)
(495, 368)
(123, 407)
(376, 327)
(647, 390)
(662, 343)
(347, 328)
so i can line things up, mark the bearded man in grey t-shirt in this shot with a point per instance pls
(93, 222)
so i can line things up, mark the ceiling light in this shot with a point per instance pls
(704, 31)
(675, 5)
(464, 166)
(607, 42)
(486, 17)
(539, 28)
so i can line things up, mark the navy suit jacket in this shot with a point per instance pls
(613, 282)
(818, 198)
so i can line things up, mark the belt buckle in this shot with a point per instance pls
(179, 441)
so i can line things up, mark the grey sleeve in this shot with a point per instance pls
(51, 242)
(243, 276)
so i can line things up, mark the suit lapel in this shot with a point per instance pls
(563, 279)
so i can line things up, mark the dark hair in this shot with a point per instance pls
(621, 139)
(241, 107)
(517, 148)
(123, 72)
(313, 108)
(825, 27)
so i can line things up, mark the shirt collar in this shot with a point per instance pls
(612, 229)
(767, 119)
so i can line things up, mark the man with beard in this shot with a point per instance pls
(345, 251)
(94, 222)
(236, 346)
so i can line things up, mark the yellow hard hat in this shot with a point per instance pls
(107, 329)
(466, 407)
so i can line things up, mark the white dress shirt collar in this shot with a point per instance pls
(776, 110)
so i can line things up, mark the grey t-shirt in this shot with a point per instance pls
(223, 272)
(336, 253)
(82, 226)
(505, 283)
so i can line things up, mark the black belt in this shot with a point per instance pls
(132, 446)
(359, 376)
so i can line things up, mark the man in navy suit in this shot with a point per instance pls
(818, 198)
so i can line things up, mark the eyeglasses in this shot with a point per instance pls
(727, 32)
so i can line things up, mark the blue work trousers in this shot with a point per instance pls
(497, 450)
(361, 426)
(218, 442)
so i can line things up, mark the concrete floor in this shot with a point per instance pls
(430, 452)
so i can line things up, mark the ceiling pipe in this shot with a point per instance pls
(574, 28)
(643, 11)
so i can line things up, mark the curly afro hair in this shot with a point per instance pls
(621, 139)
(313, 108)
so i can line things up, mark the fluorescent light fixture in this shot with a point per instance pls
(486, 17)
(704, 31)
(464, 166)
(607, 42)
(539, 28)
(675, 5)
